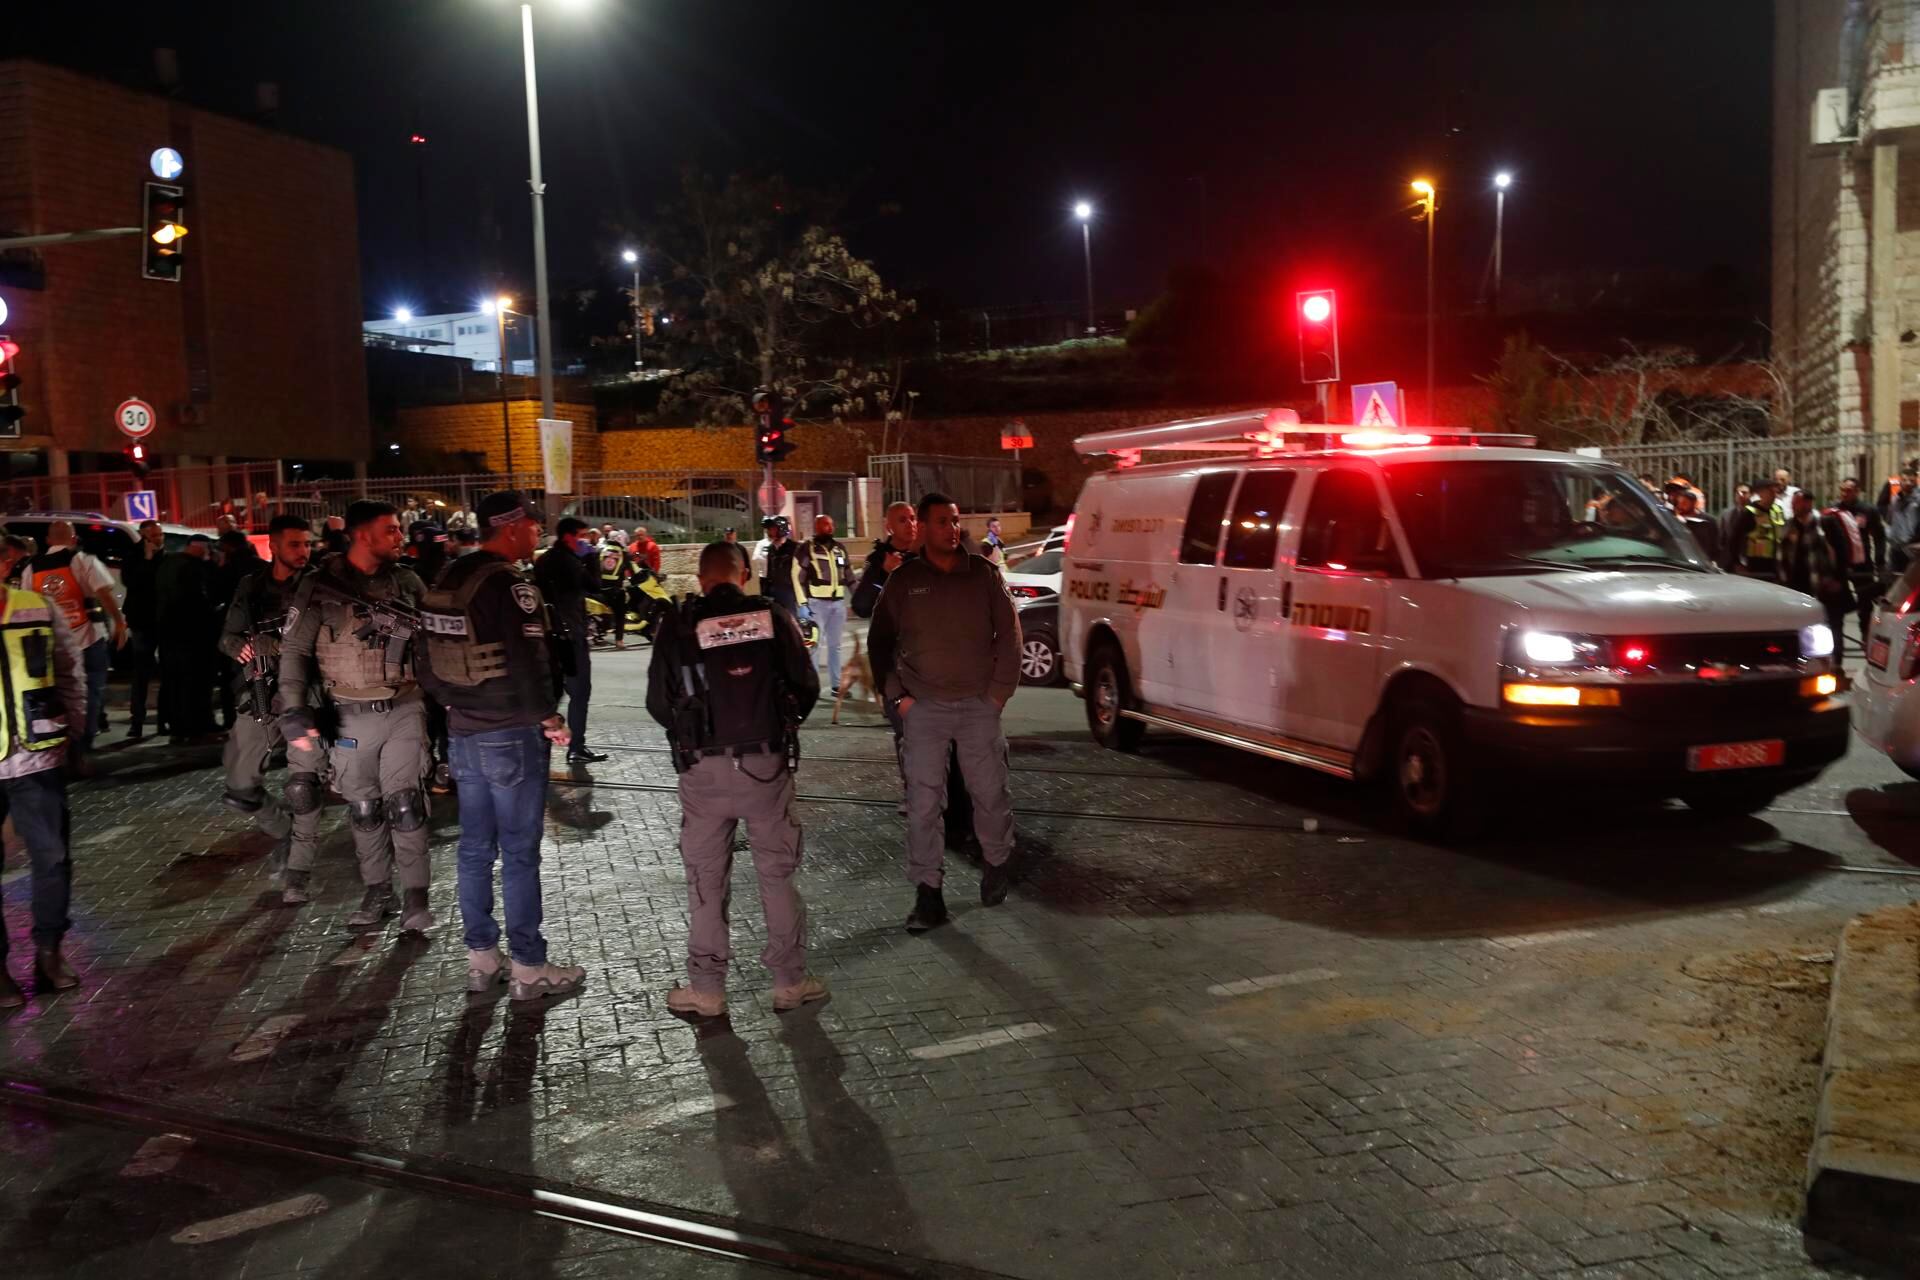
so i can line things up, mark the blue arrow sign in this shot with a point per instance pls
(142, 504)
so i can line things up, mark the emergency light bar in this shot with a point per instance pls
(1264, 433)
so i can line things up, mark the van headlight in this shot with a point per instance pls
(1557, 649)
(1816, 641)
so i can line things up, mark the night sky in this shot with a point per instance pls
(1274, 134)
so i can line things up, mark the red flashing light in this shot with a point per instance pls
(1371, 439)
(1634, 655)
(1066, 539)
(8, 350)
(1316, 308)
(418, 139)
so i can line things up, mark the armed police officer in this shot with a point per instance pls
(251, 638)
(485, 657)
(354, 618)
(731, 680)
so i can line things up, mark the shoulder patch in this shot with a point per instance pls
(735, 628)
(293, 616)
(527, 596)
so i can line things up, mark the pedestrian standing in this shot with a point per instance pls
(1867, 572)
(1808, 565)
(251, 638)
(139, 578)
(237, 560)
(824, 578)
(730, 681)
(1753, 538)
(379, 753)
(1706, 533)
(1902, 514)
(189, 627)
(993, 547)
(565, 579)
(485, 657)
(946, 650)
(41, 699)
(82, 589)
(777, 566)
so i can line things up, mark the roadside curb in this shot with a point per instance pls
(1863, 1174)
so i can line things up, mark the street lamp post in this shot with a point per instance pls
(1430, 199)
(1084, 212)
(1501, 181)
(632, 259)
(539, 189)
(499, 308)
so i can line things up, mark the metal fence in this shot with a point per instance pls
(196, 496)
(977, 485)
(1818, 463)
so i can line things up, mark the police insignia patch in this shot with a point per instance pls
(527, 597)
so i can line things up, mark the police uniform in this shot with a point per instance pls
(257, 617)
(484, 654)
(824, 575)
(44, 693)
(379, 753)
(730, 681)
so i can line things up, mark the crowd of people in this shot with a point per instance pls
(386, 660)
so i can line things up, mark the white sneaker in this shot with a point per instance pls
(805, 991)
(485, 969)
(532, 981)
(708, 1004)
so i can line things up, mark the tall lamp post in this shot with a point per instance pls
(501, 308)
(1501, 181)
(1430, 204)
(1084, 212)
(632, 259)
(539, 189)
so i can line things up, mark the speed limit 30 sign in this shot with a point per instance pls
(134, 418)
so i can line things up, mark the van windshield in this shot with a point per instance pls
(1474, 519)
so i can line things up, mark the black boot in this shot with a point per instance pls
(376, 906)
(929, 910)
(994, 882)
(11, 996)
(416, 916)
(51, 970)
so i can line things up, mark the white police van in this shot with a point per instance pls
(1446, 611)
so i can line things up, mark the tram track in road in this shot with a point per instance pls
(1134, 775)
(759, 1245)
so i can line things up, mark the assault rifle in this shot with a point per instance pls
(384, 624)
(263, 668)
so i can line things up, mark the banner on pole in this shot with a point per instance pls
(556, 454)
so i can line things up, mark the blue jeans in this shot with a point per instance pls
(832, 617)
(98, 657)
(37, 803)
(502, 776)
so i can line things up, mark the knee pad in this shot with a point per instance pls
(303, 793)
(366, 815)
(407, 810)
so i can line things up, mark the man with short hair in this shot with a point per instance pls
(901, 543)
(823, 582)
(993, 547)
(566, 579)
(189, 629)
(643, 547)
(1859, 539)
(1753, 540)
(1706, 533)
(366, 668)
(777, 564)
(485, 658)
(139, 577)
(81, 588)
(1808, 565)
(251, 638)
(946, 651)
(730, 681)
(1902, 511)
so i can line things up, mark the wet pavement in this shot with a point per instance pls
(1227, 1023)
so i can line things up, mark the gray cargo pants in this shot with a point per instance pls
(249, 744)
(379, 759)
(972, 727)
(714, 795)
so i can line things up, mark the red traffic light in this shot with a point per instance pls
(136, 453)
(1318, 322)
(8, 350)
(1316, 308)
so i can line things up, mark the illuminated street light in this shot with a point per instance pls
(629, 257)
(1501, 181)
(1084, 211)
(403, 315)
(632, 258)
(1430, 199)
(486, 308)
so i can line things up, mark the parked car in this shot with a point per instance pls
(1889, 704)
(108, 540)
(1040, 641)
(1035, 577)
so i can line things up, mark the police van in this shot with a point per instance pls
(1450, 613)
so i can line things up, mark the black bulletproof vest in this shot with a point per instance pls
(732, 652)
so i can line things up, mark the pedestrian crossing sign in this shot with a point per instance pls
(1376, 404)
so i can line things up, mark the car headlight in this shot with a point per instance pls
(1816, 641)
(1548, 647)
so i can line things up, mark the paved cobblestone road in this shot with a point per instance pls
(1225, 1025)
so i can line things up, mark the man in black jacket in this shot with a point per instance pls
(142, 610)
(566, 575)
(485, 658)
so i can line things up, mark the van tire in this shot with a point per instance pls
(1109, 691)
(1436, 790)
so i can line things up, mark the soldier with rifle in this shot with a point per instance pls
(251, 638)
(354, 619)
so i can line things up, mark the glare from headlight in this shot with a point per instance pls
(1544, 646)
(1816, 641)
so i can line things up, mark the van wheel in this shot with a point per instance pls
(1109, 692)
(1435, 792)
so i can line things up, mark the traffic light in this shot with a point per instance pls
(10, 409)
(1319, 321)
(773, 439)
(165, 224)
(136, 455)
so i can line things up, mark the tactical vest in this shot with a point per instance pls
(36, 715)
(52, 576)
(727, 663)
(455, 653)
(826, 571)
(1763, 541)
(613, 563)
(352, 667)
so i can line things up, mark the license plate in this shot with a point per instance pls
(1737, 755)
(1877, 653)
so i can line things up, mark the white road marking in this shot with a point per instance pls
(981, 1040)
(105, 837)
(1247, 986)
(267, 1215)
(266, 1038)
(157, 1156)
(1511, 941)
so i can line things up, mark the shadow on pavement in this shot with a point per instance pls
(1888, 815)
